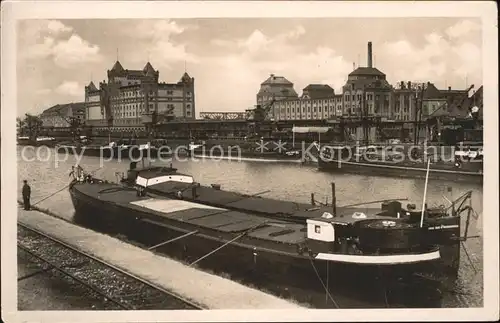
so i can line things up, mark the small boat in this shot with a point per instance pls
(394, 161)
(37, 142)
(116, 150)
(23, 140)
(279, 239)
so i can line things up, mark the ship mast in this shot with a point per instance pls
(425, 192)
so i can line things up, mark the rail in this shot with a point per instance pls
(143, 299)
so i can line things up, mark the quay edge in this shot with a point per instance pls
(275, 251)
(211, 291)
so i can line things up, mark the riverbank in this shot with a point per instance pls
(211, 291)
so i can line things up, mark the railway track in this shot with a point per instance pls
(114, 285)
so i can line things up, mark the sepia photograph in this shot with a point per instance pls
(202, 160)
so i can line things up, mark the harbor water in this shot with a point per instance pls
(48, 172)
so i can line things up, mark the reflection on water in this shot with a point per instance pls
(284, 181)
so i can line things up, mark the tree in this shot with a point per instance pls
(32, 125)
(20, 126)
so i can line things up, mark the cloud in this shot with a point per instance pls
(34, 29)
(75, 50)
(43, 92)
(57, 26)
(155, 40)
(70, 88)
(49, 39)
(246, 62)
(158, 29)
(462, 28)
(451, 55)
(258, 42)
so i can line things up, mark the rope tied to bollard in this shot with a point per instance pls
(59, 190)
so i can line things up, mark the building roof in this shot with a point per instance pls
(148, 69)
(318, 87)
(460, 106)
(117, 67)
(276, 80)
(367, 84)
(91, 86)
(318, 91)
(185, 78)
(432, 92)
(366, 71)
(63, 109)
(458, 103)
(278, 91)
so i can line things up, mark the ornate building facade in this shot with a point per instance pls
(318, 101)
(366, 93)
(130, 97)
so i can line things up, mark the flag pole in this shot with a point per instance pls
(425, 192)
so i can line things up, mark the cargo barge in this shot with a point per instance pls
(346, 247)
(465, 165)
(257, 151)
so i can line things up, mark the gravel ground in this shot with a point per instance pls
(125, 292)
(212, 291)
(52, 291)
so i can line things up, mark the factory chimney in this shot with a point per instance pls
(370, 54)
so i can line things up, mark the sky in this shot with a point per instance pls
(230, 58)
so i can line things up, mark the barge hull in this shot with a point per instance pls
(401, 172)
(245, 257)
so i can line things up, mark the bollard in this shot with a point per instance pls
(312, 199)
(334, 201)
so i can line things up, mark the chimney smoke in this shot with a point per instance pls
(370, 54)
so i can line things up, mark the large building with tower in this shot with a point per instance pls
(130, 97)
(366, 93)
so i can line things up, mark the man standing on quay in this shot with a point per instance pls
(26, 195)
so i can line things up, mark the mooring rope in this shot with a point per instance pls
(373, 202)
(227, 243)
(51, 194)
(322, 283)
(65, 186)
(384, 281)
(468, 257)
